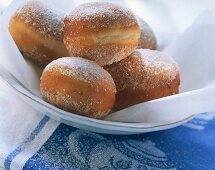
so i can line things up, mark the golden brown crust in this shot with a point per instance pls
(147, 37)
(144, 75)
(128, 97)
(82, 87)
(38, 32)
(102, 32)
(91, 18)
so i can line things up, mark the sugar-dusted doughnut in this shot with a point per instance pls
(102, 32)
(144, 75)
(78, 85)
(147, 37)
(37, 29)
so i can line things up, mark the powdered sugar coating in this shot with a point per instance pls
(83, 87)
(147, 37)
(102, 55)
(44, 17)
(82, 108)
(80, 69)
(144, 69)
(102, 15)
(35, 55)
(101, 32)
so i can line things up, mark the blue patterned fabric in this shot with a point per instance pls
(191, 146)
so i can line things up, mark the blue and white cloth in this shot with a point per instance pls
(191, 146)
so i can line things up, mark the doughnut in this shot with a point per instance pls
(78, 85)
(37, 30)
(147, 37)
(143, 76)
(101, 32)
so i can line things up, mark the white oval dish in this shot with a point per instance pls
(94, 125)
